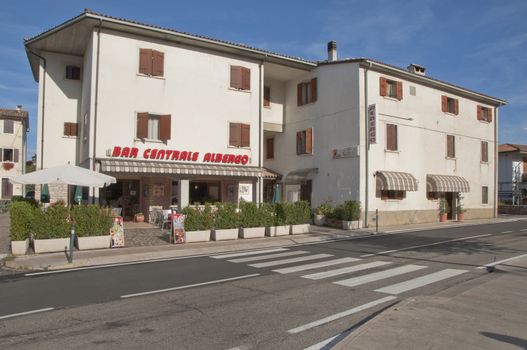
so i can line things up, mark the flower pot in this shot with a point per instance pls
(461, 216)
(19, 247)
(225, 234)
(93, 242)
(351, 225)
(252, 232)
(274, 231)
(442, 217)
(299, 229)
(320, 220)
(139, 218)
(197, 236)
(51, 245)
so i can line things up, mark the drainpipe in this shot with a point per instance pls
(495, 162)
(43, 59)
(96, 102)
(367, 144)
(260, 132)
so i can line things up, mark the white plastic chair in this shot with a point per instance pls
(167, 213)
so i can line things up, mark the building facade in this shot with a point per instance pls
(182, 119)
(512, 179)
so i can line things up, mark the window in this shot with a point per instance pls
(269, 151)
(267, 96)
(239, 135)
(449, 105)
(306, 92)
(398, 195)
(391, 137)
(391, 88)
(9, 155)
(484, 114)
(153, 127)
(151, 62)
(9, 127)
(485, 195)
(7, 189)
(450, 146)
(304, 142)
(240, 78)
(484, 151)
(73, 72)
(71, 129)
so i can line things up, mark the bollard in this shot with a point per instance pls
(72, 240)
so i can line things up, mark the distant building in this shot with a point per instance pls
(512, 173)
(14, 124)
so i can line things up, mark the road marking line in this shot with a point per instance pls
(506, 232)
(323, 343)
(267, 257)
(340, 315)
(189, 286)
(494, 263)
(344, 270)
(420, 281)
(26, 313)
(289, 261)
(425, 245)
(253, 252)
(241, 347)
(376, 276)
(523, 230)
(315, 265)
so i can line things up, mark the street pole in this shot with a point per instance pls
(72, 239)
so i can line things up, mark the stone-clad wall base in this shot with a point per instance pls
(405, 217)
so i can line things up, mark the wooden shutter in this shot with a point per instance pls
(270, 148)
(15, 155)
(444, 104)
(478, 112)
(74, 129)
(246, 78)
(67, 129)
(158, 59)
(1, 154)
(484, 151)
(235, 134)
(142, 125)
(267, 96)
(391, 137)
(236, 77)
(313, 87)
(456, 106)
(145, 61)
(164, 127)
(309, 141)
(399, 90)
(245, 135)
(299, 142)
(299, 98)
(450, 146)
(382, 86)
(489, 115)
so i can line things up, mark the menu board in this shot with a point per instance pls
(178, 228)
(117, 233)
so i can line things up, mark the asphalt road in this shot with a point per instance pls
(289, 298)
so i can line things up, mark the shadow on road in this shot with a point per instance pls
(520, 342)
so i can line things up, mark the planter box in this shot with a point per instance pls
(197, 236)
(51, 245)
(320, 220)
(252, 232)
(274, 231)
(351, 225)
(93, 242)
(19, 247)
(222, 235)
(298, 229)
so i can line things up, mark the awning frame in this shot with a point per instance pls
(396, 181)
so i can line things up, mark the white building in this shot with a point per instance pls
(512, 179)
(14, 124)
(183, 118)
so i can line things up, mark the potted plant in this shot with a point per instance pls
(251, 220)
(225, 222)
(20, 220)
(442, 209)
(139, 217)
(299, 215)
(460, 209)
(92, 226)
(198, 223)
(321, 213)
(51, 229)
(278, 226)
(351, 215)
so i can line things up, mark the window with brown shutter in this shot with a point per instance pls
(313, 87)
(484, 195)
(382, 86)
(484, 113)
(449, 105)
(239, 135)
(142, 126)
(164, 127)
(395, 195)
(246, 79)
(7, 188)
(391, 137)
(309, 141)
(240, 78)
(399, 90)
(158, 59)
(450, 146)
(484, 151)
(267, 96)
(70, 129)
(307, 92)
(151, 62)
(304, 142)
(9, 127)
(15, 155)
(269, 151)
(246, 135)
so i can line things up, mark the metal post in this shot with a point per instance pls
(72, 240)
(376, 220)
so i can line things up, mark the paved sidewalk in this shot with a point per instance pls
(491, 315)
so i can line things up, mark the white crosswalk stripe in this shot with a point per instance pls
(253, 252)
(344, 270)
(420, 281)
(372, 277)
(316, 265)
(267, 257)
(290, 261)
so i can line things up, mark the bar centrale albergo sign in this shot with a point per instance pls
(175, 155)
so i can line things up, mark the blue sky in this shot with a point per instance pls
(478, 44)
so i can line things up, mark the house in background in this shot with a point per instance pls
(512, 178)
(14, 125)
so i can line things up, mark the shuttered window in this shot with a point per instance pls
(239, 135)
(307, 92)
(9, 127)
(484, 114)
(484, 151)
(397, 195)
(240, 78)
(153, 127)
(7, 189)
(151, 62)
(73, 73)
(450, 146)
(71, 129)
(449, 105)
(269, 149)
(485, 195)
(9, 155)
(391, 88)
(304, 141)
(391, 137)
(267, 96)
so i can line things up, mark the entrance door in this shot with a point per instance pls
(305, 191)
(130, 199)
(450, 204)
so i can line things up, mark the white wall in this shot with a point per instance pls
(86, 111)
(275, 112)
(14, 140)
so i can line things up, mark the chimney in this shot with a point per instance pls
(417, 69)
(18, 108)
(332, 50)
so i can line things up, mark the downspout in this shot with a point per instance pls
(96, 102)
(496, 162)
(260, 132)
(367, 144)
(43, 109)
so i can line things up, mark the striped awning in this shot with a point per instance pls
(395, 181)
(446, 183)
(147, 167)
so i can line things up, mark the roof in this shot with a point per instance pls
(510, 147)
(15, 114)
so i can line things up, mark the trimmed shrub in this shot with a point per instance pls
(91, 220)
(267, 214)
(52, 223)
(21, 218)
(226, 216)
(280, 214)
(300, 212)
(324, 209)
(348, 211)
(250, 215)
(197, 219)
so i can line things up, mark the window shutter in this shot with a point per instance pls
(299, 142)
(456, 106)
(313, 87)
(299, 95)
(270, 148)
(450, 150)
(444, 104)
(309, 141)
(382, 86)
(158, 59)
(15, 155)
(66, 129)
(164, 127)
(245, 135)
(236, 77)
(489, 114)
(478, 112)
(234, 134)
(399, 90)
(246, 78)
(74, 129)
(142, 125)
(484, 151)
(1, 154)
(145, 61)
(267, 96)
(391, 137)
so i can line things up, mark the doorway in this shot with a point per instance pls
(450, 198)
(305, 191)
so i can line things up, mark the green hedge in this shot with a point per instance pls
(91, 220)
(197, 219)
(348, 211)
(51, 223)
(21, 218)
(226, 216)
